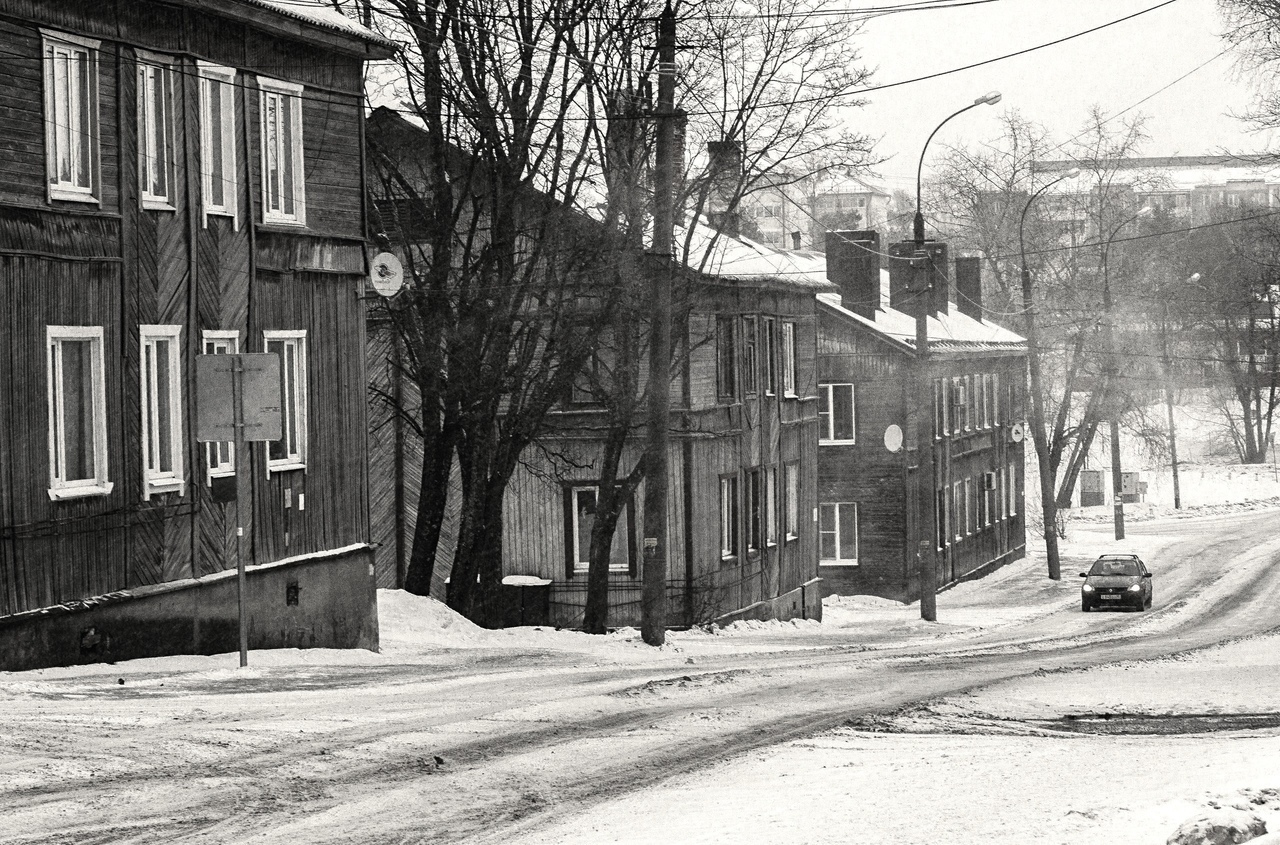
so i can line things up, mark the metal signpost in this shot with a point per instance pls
(238, 400)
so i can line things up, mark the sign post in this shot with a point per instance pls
(238, 399)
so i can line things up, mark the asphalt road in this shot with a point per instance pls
(483, 746)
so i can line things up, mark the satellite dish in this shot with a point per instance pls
(1018, 431)
(386, 274)
(893, 438)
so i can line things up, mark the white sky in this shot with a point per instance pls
(1114, 68)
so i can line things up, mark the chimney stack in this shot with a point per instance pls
(901, 275)
(969, 286)
(725, 175)
(853, 264)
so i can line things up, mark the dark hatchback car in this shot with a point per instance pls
(1116, 581)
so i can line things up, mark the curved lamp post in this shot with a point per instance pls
(1039, 437)
(926, 521)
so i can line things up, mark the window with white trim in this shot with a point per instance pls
(770, 356)
(789, 359)
(280, 120)
(729, 516)
(995, 398)
(582, 515)
(771, 506)
(290, 451)
(838, 534)
(77, 412)
(836, 408)
(218, 141)
(750, 355)
(155, 131)
(941, 518)
(970, 515)
(958, 518)
(791, 473)
(71, 116)
(726, 359)
(161, 410)
(1012, 488)
(220, 458)
(755, 510)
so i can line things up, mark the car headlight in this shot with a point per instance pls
(1086, 588)
(1136, 588)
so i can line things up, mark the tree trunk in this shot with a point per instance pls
(433, 497)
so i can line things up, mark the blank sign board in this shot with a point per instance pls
(260, 394)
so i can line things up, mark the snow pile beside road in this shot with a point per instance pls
(409, 623)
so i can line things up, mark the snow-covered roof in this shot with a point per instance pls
(325, 17)
(952, 331)
(740, 257)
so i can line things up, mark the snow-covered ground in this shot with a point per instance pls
(1117, 753)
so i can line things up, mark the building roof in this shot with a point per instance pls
(953, 331)
(1174, 173)
(741, 258)
(325, 17)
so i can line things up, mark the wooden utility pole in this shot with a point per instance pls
(653, 621)
(923, 383)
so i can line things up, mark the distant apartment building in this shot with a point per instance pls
(791, 212)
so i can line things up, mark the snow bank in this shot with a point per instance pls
(410, 623)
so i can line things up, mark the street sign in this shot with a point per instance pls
(260, 392)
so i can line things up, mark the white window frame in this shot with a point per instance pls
(60, 487)
(297, 457)
(789, 359)
(791, 478)
(225, 142)
(60, 135)
(155, 69)
(771, 506)
(827, 426)
(581, 556)
(970, 515)
(1011, 489)
(840, 559)
(219, 342)
(154, 480)
(730, 510)
(267, 90)
(957, 502)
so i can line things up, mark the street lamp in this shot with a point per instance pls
(1117, 476)
(1048, 502)
(1168, 395)
(928, 572)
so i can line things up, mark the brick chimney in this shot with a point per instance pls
(853, 263)
(969, 286)
(724, 171)
(901, 273)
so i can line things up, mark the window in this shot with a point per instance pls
(988, 500)
(750, 355)
(1011, 486)
(729, 516)
(970, 516)
(771, 506)
(792, 478)
(582, 390)
(838, 534)
(939, 408)
(789, 359)
(77, 412)
(580, 517)
(218, 141)
(155, 131)
(836, 413)
(290, 451)
(770, 357)
(958, 504)
(283, 189)
(971, 411)
(220, 458)
(941, 519)
(161, 410)
(71, 117)
(755, 510)
(726, 352)
(980, 402)
(995, 398)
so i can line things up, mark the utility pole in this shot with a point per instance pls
(653, 608)
(1168, 404)
(1113, 398)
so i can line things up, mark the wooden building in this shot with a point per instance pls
(868, 476)
(179, 177)
(742, 456)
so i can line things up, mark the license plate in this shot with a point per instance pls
(1111, 598)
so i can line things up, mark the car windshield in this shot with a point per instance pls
(1115, 566)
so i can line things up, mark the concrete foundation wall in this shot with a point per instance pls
(322, 601)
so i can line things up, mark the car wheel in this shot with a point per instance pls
(1142, 605)
(1085, 607)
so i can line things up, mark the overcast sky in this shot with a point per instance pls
(1114, 68)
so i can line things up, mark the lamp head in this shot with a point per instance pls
(1072, 173)
(1193, 278)
(988, 99)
